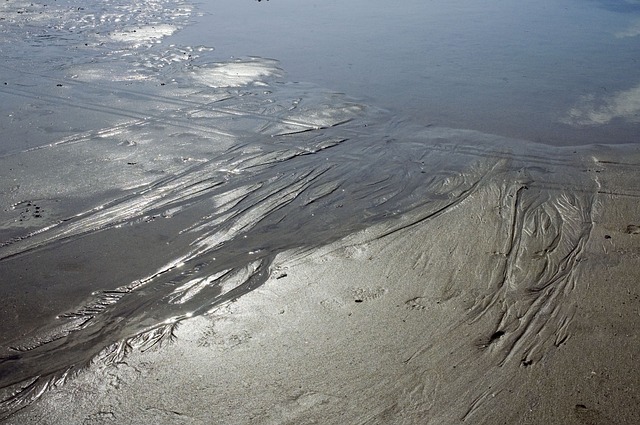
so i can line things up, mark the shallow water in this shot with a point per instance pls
(560, 73)
(147, 177)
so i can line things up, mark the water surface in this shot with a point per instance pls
(560, 73)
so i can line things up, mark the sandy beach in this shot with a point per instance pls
(491, 311)
(192, 238)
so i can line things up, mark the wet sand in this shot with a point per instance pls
(190, 239)
(490, 311)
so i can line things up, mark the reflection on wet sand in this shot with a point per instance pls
(285, 167)
(211, 170)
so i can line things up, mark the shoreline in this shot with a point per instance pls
(193, 240)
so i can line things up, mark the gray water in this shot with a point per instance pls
(155, 160)
(512, 68)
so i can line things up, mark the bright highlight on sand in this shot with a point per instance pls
(139, 36)
(237, 73)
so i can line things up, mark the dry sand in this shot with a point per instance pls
(514, 306)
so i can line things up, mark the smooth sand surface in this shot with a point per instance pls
(487, 313)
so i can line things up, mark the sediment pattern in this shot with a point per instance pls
(546, 231)
(208, 170)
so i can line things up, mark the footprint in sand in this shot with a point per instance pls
(332, 304)
(420, 303)
(357, 295)
(632, 229)
(367, 294)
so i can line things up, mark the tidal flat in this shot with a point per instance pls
(204, 221)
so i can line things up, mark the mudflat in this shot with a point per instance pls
(516, 304)
(187, 237)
